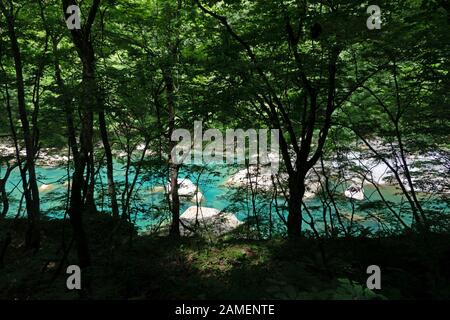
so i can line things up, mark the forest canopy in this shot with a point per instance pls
(314, 123)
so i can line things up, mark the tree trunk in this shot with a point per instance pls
(109, 165)
(3, 193)
(73, 144)
(173, 167)
(82, 197)
(32, 238)
(296, 192)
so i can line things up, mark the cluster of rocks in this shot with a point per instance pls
(121, 154)
(264, 179)
(430, 172)
(46, 157)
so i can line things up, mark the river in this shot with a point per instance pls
(147, 206)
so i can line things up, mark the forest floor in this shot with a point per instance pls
(127, 266)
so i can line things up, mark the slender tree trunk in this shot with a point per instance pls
(109, 165)
(75, 206)
(3, 193)
(73, 144)
(75, 211)
(82, 196)
(173, 167)
(32, 239)
(125, 194)
(128, 192)
(104, 134)
(12, 128)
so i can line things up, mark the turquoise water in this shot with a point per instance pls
(149, 205)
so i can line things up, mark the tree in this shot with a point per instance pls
(300, 102)
(29, 184)
(82, 193)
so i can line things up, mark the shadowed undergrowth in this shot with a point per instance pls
(127, 266)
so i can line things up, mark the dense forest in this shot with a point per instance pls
(233, 149)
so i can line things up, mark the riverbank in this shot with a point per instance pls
(53, 157)
(127, 266)
(46, 157)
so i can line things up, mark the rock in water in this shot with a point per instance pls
(312, 188)
(46, 188)
(263, 179)
(210, 220)
(156, 189)
(356, 193)
(198, 197)
(186, 188)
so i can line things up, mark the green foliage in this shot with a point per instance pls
(392, 88)
(349, 290)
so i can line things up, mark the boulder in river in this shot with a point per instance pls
(46, 188)
(198, 197)
(186, 188)
(354, 192)
(208, 219)
(256, 177)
